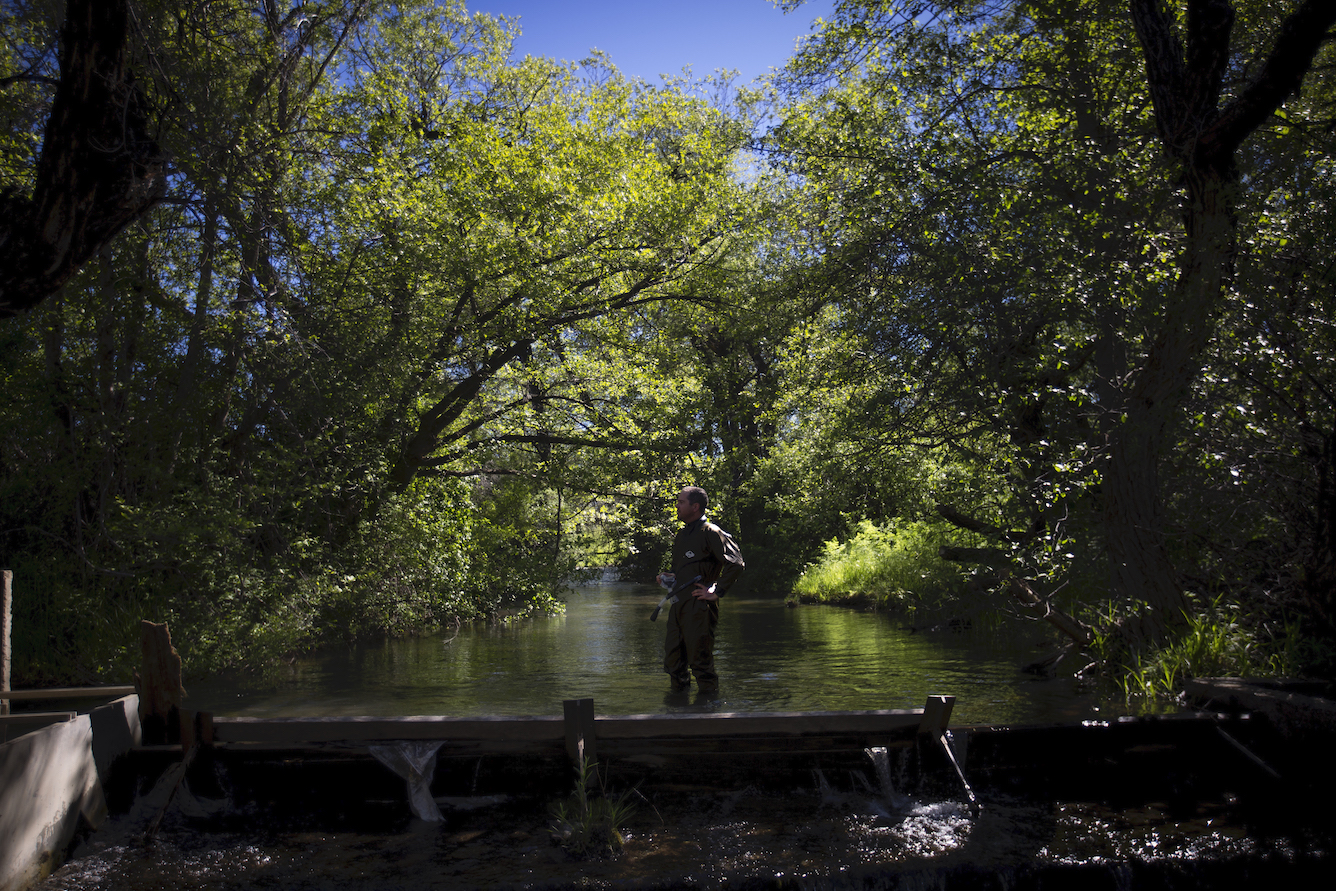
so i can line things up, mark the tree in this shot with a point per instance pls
(483, 232)
(1042, 283)
(345, 378)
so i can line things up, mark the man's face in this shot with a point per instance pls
(687, 511)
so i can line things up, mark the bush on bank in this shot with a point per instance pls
(894, 567)
(244, 595)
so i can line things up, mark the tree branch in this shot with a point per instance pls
(1280, 76)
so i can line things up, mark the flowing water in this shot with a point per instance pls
(769, 658)
(856, 831)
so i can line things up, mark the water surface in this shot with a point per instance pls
(769, 657)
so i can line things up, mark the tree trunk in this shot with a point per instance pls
(1320, 572)
(99, 169)
(1186, 65)
(1142, 571)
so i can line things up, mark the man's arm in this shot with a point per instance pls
(731, 565)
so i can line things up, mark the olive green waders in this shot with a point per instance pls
(689, 643)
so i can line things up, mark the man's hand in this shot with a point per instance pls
(701, 592)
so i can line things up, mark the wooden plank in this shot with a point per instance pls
(549, 729)
(453, 748)
(1296, 715)
(754, 745)
(113, 692)
(891, 721)
(26, 722)
(335, 729)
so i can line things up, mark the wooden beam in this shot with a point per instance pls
(26, 722)
(113, 692)
(6, 627)
(160, 692)
(37, 718)
(760, 723)
(551, 730)
(1298, 716)
(337, 729)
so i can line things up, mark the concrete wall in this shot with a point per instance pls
(51, 776)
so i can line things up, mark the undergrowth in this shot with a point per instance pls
(1217, 641)
(589, 824)
(895, 567)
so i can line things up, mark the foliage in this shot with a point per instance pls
(590, 823)
(1219, 641)
(420, 334)
(1028, 273)
(357, 374)
(895, 567)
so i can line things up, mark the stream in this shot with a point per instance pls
(769, 658)
(825, 832)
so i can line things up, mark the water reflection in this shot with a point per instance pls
(770, 658)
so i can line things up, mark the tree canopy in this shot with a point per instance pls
(363, 326)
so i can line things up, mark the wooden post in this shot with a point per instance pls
(6, 627)
(936, 714)
(580, 730)
(159, 683)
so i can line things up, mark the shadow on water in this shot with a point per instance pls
(604, 647)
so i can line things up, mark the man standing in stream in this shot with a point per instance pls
(700, 548)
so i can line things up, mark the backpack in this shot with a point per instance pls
(732, 553)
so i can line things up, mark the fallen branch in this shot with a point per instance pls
(1021, 590)
(1069, 625)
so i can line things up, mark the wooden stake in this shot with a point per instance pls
(936, 714)
(580, 729)
(159, 681)
(6, 627)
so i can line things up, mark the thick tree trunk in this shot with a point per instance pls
(1185, 70)
(99, 169)
(1141, 569)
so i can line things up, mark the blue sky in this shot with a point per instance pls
(646, 38)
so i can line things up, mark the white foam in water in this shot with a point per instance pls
(881, 762)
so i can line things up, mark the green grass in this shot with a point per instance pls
(891, 567)
(590, 825)
(1215, 643)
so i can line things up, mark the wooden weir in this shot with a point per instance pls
(603, 735)
(307, 756)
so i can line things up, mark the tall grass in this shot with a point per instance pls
(587, 824)
(1216, 642)
(892, 567)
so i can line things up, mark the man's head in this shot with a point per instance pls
(691, 504)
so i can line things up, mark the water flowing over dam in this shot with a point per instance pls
(826, 762)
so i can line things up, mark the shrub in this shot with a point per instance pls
(895, 566)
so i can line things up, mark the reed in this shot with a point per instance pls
(1216, 641)
(590, 823)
